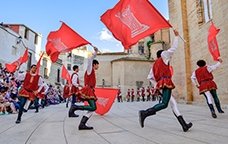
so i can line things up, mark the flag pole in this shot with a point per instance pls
(180, 36)
(96, 47)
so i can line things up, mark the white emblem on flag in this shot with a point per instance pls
(102, 101)
(58, 44)
(213, 45)
(128, 18)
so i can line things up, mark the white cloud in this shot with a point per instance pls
(105, 35)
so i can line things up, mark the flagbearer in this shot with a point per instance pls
(31, 87)
(161, 73)
(74, 89)
(87, 92)
(203, 79)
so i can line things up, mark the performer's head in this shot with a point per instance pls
(95, 64)
(33, 68)
(159, 53)
(201, 63)
(75, 68)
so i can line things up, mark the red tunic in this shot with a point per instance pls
(29, 86)
(66, 91)
(74, 89)
(41, 95)
(88, 92)
(162, 75)
(205, 80)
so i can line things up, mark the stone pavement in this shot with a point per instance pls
(120, 126)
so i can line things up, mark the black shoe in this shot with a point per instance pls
(72, 115)
(184, 125)
(145, 113)
(18, 121)
(84, 127)
(221, 111)
(213, 114)
(24, 110)
(142, 118)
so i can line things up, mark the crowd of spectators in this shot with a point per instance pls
(10, 100)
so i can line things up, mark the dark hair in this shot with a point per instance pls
(201, 63)
(95, 62)
(159, 53)
(75, 67)
(32, 66)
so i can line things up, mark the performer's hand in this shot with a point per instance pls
(95, 49)
(35, 92)
(176, 33)
(220, 60)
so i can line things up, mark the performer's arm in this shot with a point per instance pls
(194, 80)
(40, 84)
(90, 61)
(150, 77)
(167, 54)
(214, 67)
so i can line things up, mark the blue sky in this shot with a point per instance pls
(83, 16)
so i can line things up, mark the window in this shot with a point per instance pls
(204, 10)
(141, 48)
(36, 39)
(29, 63)
(46, 73)
(58, 75)
(14, 50)
(26, 33)
(69, 67)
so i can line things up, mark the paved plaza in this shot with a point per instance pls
(120, 126)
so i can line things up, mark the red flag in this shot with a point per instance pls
(38, 64)
(63, 40)
(105, 99)
(131, 20)
(212, 42)
(65, 74)
(24, 58)
(13, 66)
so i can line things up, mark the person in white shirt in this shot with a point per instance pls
(203, 79)
(161, 73)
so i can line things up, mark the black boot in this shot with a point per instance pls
(218, 106)
(73, 108)
(19, 117)
(213, 114)
(184, 125)
(145, 113)
(82, 125)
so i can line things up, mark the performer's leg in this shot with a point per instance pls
(166, 94)
(208, 96)
(85, 118)
(179, 117)
(73, 101)
(26, 106)
(152, 111)
(22, 103)
(36, 105)
(216, 100)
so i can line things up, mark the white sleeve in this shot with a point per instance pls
(194, 79)
(40, 84)
(90, 63)
(75, 80)
(213, 67)
(167, 54)
(151, 77)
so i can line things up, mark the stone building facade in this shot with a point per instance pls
(192, 19)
